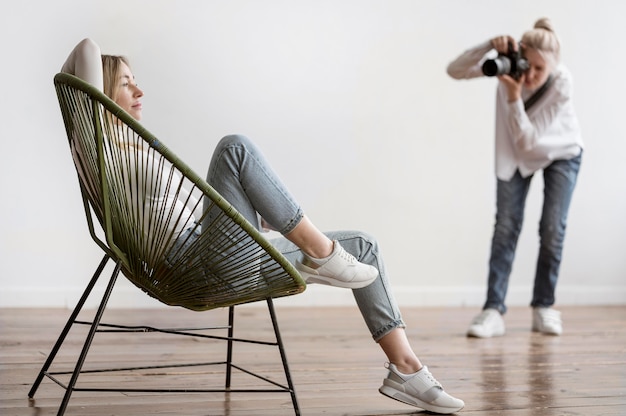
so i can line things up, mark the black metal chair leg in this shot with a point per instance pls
(229, 344)
(92, 331)
(283, 356)
(68, 326)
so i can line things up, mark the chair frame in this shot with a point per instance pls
(96, 326)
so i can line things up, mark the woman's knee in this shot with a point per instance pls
(508, 225)
(365, 240)
(233, 140)
(551, 236)
(362, 245)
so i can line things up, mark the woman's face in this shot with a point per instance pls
(538, 70)
(127, 93)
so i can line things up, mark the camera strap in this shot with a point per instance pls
(538, 94)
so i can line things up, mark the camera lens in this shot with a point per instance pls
(500, 65)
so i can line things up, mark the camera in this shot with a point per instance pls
(511, 63)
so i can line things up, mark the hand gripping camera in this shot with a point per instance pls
(511, 63)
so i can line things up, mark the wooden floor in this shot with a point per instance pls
(336, 367)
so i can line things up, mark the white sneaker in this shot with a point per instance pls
(419, 389)
(341, 269)
(547, 321)
(487, 324)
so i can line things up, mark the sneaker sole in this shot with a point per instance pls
(547, 332)
(472, 334)
(329, 281)
(410, 400)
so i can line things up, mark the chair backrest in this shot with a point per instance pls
(149, 206)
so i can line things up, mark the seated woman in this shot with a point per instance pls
(350, 259)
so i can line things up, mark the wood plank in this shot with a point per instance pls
(336, 366)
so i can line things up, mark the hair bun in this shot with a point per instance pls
(545, 24)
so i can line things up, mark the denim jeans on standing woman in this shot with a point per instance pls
(559, 182)
(240, 173)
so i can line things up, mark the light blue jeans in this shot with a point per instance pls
(241, 174)
(559, 182)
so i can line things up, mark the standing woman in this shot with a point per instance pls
(544, 135)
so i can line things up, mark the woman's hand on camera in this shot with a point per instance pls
(501, 44)
(513, 86)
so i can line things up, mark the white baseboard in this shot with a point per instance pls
(128, 296)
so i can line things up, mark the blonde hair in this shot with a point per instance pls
(544, 40)
(111, 74)
(111, 71)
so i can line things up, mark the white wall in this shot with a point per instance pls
(350, 100)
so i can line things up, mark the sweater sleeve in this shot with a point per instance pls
(85, 61)
(469, 64)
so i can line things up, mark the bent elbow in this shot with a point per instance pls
(88, 45)
(453, 72)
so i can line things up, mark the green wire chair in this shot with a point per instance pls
(140, 195)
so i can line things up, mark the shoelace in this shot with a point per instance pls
(432, 379)
(346, 256)
(424, 371)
